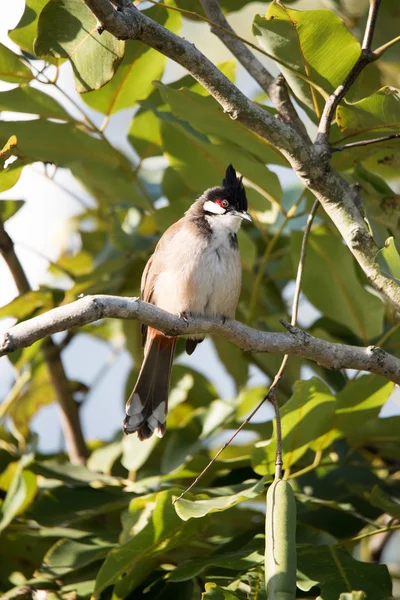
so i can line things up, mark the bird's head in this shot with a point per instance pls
(227, 199)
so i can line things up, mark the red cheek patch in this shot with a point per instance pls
(219, 202)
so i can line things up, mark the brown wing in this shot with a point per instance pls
(152, 269)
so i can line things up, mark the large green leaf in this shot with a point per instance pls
(68, 29)
(330, 282)
(188, 509)
(307, 416)
(206, 116)
(335, 572)
(30, 100)
(314, 43)
(25, 32)
(139, 68)
(12, 68)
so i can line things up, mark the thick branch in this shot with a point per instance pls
(330, 189)
(69, 409)
(365, 57)
(296, 343)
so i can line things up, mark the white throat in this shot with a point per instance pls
(224, 223)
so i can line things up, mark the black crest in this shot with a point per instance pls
(234, 184)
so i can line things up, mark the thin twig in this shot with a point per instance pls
(364, 59)
(271, 395)
(77, 449)
(385, 138)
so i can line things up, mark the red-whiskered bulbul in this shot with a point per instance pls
(195, 270)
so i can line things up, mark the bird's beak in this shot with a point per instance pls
(242, 214)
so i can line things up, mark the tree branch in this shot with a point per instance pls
(238, 48)
(385, 138)
(77, 449)
(295, 343)
(334, 194)
(364, 59)
(275, 88)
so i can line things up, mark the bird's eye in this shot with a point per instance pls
(225, 203)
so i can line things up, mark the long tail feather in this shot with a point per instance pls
(147, 406)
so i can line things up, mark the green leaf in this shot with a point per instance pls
(206, 116)
(337, 572)
(369, 116)
(139, 68)
(30, 100)
(20, 494)
(188, 509)
(129, 564)
(389, 504)
(215, 592)
(313, 43)
(358, 402)
(24, 305)
(12, 68)
(10, 175)
(307, 416)
(135, 453)
(331, 284)
(389, 259)
(68, 29)
(240, 558)
(68, 555)
(8, 208)
(66, 504)
(25, 32)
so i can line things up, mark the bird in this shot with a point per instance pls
(194, 270)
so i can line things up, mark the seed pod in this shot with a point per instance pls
(280, 542)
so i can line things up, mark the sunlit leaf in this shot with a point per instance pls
(189, 509)
(139, 68)
(12, 69)
(30, 100)
(68, 29)
(314, 43)
(25, 32)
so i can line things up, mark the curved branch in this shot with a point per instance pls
(295, 343)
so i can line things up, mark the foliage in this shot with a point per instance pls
(109, 529)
